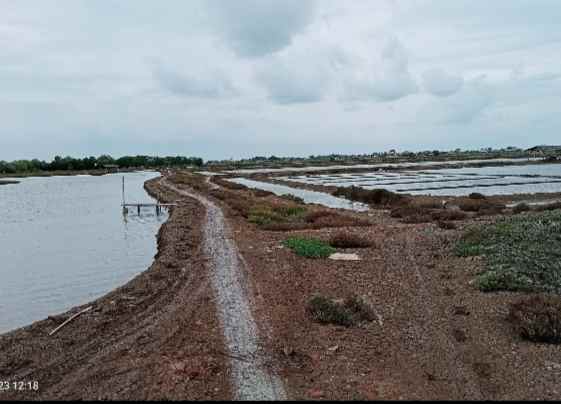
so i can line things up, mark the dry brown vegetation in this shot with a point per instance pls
(280, 214)
(347, 239)
(538, 318)
(374, 197)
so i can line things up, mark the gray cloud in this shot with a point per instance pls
(78, 77)
(439, 83)
(388, 80)
(209, 85)
(255, 28)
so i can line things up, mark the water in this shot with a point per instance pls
(319, 198)
(64, 242)
(505, 180)
(378, 165)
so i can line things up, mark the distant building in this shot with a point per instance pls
(550, 152)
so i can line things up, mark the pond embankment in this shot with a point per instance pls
(156, 337)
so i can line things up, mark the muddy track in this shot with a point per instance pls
(250, 377)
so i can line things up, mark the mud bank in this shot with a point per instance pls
(157, 337)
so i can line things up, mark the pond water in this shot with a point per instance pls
(319, 198)
(378, 165)
(64, 241)
(505, 180)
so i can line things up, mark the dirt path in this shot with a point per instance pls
(251, 378)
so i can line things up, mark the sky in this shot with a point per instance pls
(227, 79)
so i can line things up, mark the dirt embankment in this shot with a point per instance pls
(436, 336)
(157, 337)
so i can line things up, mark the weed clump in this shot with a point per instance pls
(447, 225)
(309, 247)
(538, 318)
(521, 207)
(347, 313)
(378, 197)
(476, 195)
(345, 239)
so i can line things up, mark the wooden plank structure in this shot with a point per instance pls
(138, 206)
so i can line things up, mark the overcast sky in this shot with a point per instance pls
(222, 79)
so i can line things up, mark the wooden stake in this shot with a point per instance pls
(70, 319)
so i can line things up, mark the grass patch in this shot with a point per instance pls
(309, 247)
(538, 318)
(522, 253)
(268, 214)
(347, 313)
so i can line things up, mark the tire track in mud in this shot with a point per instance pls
(251, 379)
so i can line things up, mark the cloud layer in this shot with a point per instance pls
(238, 78)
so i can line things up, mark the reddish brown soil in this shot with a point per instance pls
(157, 337)
(436, 336)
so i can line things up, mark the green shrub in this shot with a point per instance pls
(309, 247)
(538, 318)
(326, 311)
(348, 313)
(521, 253)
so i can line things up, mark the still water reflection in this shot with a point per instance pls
(64, 242)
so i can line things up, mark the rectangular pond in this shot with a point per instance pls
(503, 180)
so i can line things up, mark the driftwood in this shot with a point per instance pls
(70, 319)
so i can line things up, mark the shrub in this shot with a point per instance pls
(360, 310)
(476, 195)
(267, 214)
(548, 207)
(538, 318)
(373, 197)
(418, 218)
(446, 225)
(309, 247)
(483, 206)
(449, 215)
(259, 193)
(521, 207)
(345, 239)
(348, 313)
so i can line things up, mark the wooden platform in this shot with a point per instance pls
(138, 206)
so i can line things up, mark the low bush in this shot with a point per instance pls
(538, 318)
(309, 247)
(548, 207)
(348, 313)
(482, 206)
(267, 214)
(449, 215)
(476, 195)
(447, 225)
(259, 193)
(417, 218)
(345, 239)
(376, 197)
(521, 207)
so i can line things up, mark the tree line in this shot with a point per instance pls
(91, 163)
